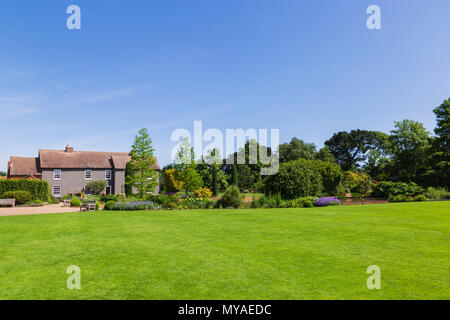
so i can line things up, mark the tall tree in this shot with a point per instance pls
(185, 168)
(214, 160)
(438, 164)
(410, 145)
(442, 129)
(235, 178)
(325, 154)
(350, 148)
(296, 149)
(142, 173)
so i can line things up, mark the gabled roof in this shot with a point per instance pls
(63, 159)
(120, 162)
(22, 166)
(50, 159)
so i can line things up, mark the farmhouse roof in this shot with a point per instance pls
(23, 166)
(72, 159)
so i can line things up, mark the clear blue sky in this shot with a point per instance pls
(309, 68)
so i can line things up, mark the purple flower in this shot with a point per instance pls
(323, 202)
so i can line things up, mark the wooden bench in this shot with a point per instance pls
(88, 206)
(8, 202)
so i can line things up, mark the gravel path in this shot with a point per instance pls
(52, 208)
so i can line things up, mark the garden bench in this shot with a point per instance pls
(88, 206)
(8, 202)
(66, 203)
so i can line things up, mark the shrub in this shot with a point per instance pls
(39, 189)
(54, 200)
(300, 202)
(203, 193)
(196, 203)
(308, 204)
(37, 203)
(389, 188)
(172, 184)
(97, 186)
(267, 202)
(357, 182)
(109, 205)
(75, 202)
(399, 198)
(232, 197)
(331, 173)
(108, 197)
(298, 178)
(21, 196)
(67, 197)
(420, 197)
(437, 193)
(324, 202)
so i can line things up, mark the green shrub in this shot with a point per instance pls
(308, 204)
(400, 198)
(109, 197)
(388, 188)
(420, 197)
(39, 189)
(53, 200)
(109, 205)
(37, 203)
(75, 202)
(196, 203)
(67, 197)
(300, 202)
(232, 197)
(298, 178)
(437, 193)
(21, 196)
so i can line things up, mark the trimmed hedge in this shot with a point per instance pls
(21, 196)
(39, 189)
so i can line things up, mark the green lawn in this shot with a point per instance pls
(317, 253)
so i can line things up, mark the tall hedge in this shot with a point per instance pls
(295, 179)
(39, 189)
(303, 178)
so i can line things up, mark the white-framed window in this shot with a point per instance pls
(57, 174)
(107, 174)
(87, 174)
(56, 191)
(124, 175)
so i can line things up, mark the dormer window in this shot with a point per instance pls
(57, 174)
(88, 174)
(107, 174)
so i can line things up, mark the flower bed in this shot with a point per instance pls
(324, 202)
(136, 205)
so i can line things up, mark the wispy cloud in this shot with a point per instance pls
(26, 103)
(20, 104)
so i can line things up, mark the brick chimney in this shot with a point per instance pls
(69, 149)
